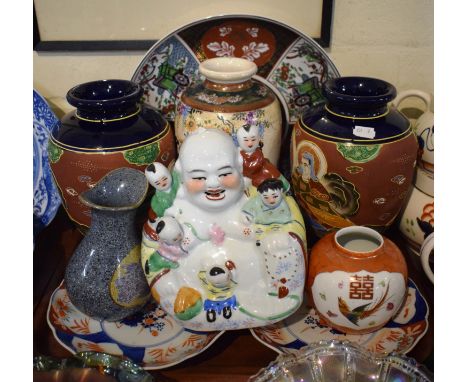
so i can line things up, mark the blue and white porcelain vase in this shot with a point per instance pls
(46, 199)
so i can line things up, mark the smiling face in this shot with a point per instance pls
(158, 176)
(248, 140)
(162, 183)
(211, 169)
(271, 198)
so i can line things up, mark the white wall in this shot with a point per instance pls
(388, 39)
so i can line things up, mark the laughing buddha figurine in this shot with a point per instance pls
(221, 273)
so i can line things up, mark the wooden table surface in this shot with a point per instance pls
(234, 357)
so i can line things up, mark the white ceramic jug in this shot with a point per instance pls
(424, 127)
(417, 216)
(427, 249)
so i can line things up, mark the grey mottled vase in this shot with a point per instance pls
(104, 278)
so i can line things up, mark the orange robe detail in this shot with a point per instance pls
(258, 168)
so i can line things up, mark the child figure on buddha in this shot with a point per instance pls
(166, 186)
(208, 208)
(255, 165)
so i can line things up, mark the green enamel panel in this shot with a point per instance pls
(142, 155)
(358, 153)
(54, 152)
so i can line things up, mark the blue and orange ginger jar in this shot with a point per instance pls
(109, 129)
(353, 159)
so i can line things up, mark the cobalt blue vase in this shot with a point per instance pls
(109, 129)
(353, 158)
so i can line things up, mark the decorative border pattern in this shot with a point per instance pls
(399, 335)
(150, 338)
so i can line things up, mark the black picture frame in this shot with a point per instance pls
(143, 45)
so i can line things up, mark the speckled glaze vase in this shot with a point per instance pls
(357, 279)
(109, 129)
(229, 99)
(104, 278)
(353, 159)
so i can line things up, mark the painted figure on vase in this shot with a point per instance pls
(328, 196)
(214, 235)
(256, 166)
(321, 197)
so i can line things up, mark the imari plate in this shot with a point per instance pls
(304, 327)
(289, 62)
(150, 338)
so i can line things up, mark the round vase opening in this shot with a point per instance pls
(120, 189)
(358, 239)
(104, 91)
(357, 87)
(227, 69)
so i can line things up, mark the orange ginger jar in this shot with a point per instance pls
(357, 279)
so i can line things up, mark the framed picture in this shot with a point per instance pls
(109, 25)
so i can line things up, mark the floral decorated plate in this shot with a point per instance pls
(292, 64)
(304, 327)
(150, 338)
(46, 197)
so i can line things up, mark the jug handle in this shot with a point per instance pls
(413, 93)
(426, 248)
